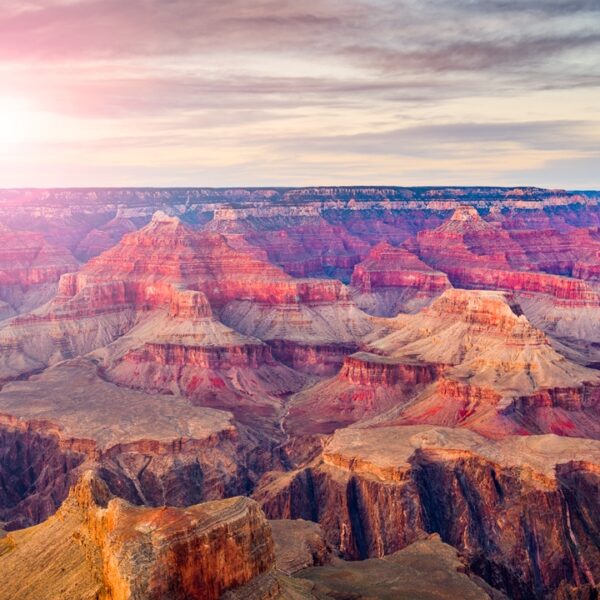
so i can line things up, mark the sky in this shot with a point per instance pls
(288, 93)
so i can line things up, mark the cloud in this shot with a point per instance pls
(281, 80)
(84, 29)
(473, 55)
(462, 138)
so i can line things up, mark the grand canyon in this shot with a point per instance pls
(299, 393)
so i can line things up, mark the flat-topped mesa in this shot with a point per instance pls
(76, 298)
(224, 357)
(466, 213)
(124, 552)
(469, 395)
(181, 552)
(365, 369)
(572, 399)
(565, 291)
(392, 280)
(367, 386)
(311, 357)
(69, 414)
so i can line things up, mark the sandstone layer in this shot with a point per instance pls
(151, 449)
(98, 546)
(519, 510)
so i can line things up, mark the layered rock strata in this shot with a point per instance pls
(151, 449)
(375, 491)
(101, 546)
(392, 280)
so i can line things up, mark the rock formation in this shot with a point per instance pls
(147, 270)
(302, 246)
(151, 449)
(103, 237)
(375, 491)
(470, 359)
(100, 546)
(392, 280)
(30, 268)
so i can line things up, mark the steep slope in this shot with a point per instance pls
(104, 237)
(152, 449)
(303, 246)
(101, 546)
(392, 280)
(469, 359)
(186, 351)
(30, 268)
(148, 268)
(478, 254)
(519, 510)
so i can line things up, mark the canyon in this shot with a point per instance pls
(299, 393)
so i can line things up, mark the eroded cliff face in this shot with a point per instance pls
(36, 471)
(364, 369)
(167, 265)
(38, 466)
(303, 245)
(69, 418)
(475, 253)
(471, 359)
(30, 268)
(123, 552)
(392, 280)
(523, 523)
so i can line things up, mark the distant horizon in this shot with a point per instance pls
(297, 187)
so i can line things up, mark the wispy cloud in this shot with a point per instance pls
(321, 85)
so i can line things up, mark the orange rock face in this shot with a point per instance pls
(392, 280)
(126, 552)
(370, 370)
(166, 251)
(387, 266)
